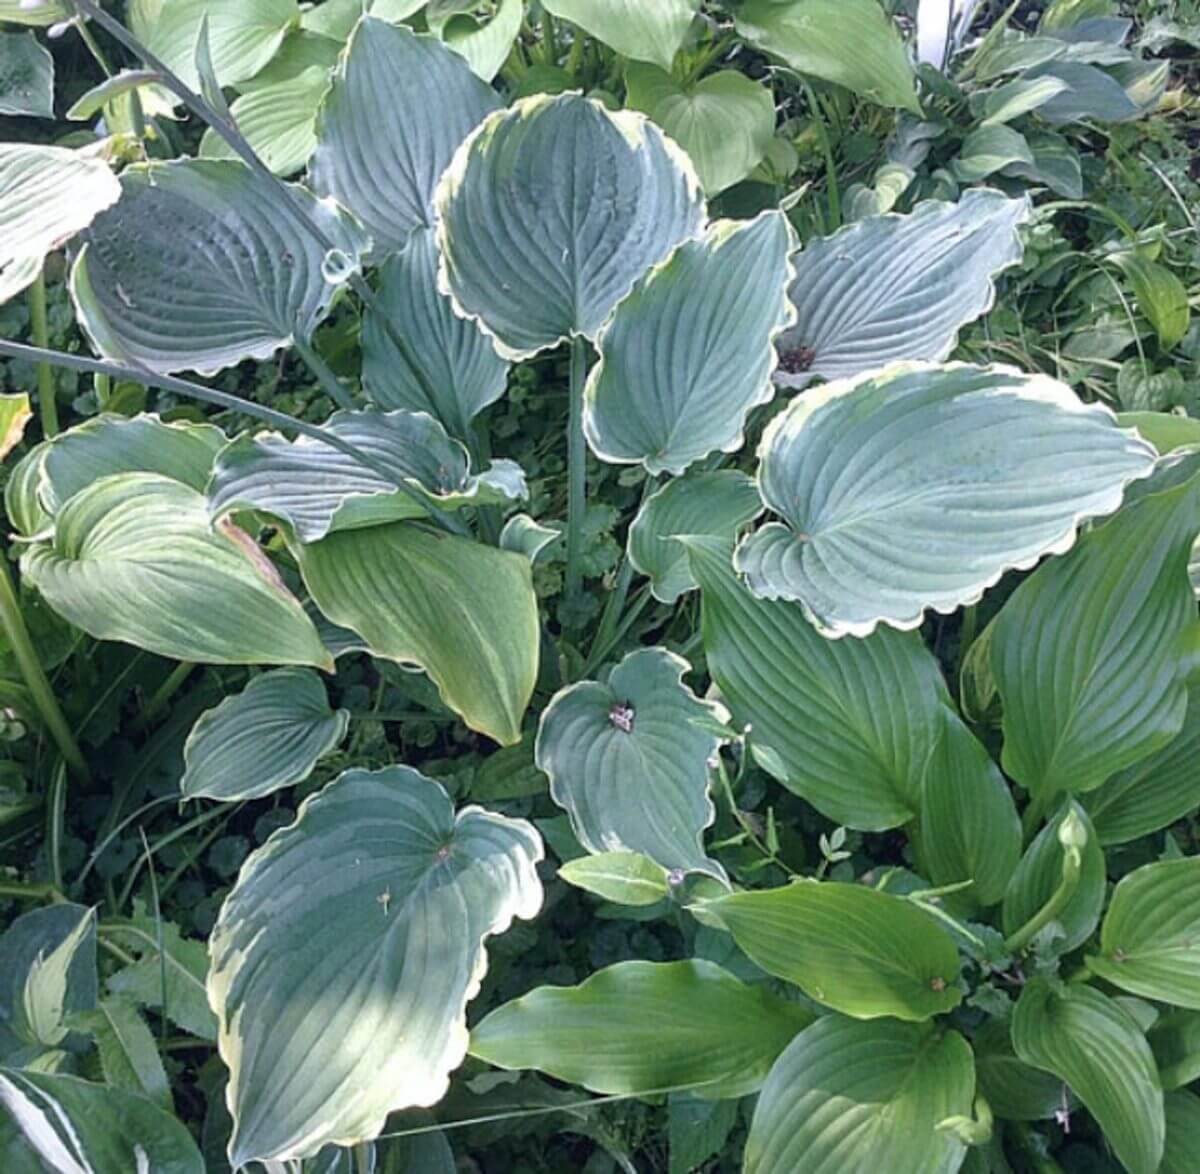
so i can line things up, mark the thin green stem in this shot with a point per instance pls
(38, 328)
(34, 675)
(831, 175)
(549, 39)
(1072, 865)
(163, 694)
(576, 472)
(362, 1157)
(103, 386)
(56, 810)
(330, 383)
(23, 891)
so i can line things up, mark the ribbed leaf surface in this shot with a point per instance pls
(1183, 1133)
(639, 31)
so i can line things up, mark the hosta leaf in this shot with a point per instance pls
(486, 46)
(64, 1124)
(346, 953)
(849, 42)
(551, 211)
(639, 31)
(1087, 1040)
(15, 413)
(1183, 1133)
(1150, 939)
(969, 826)
(628, 761)
(638, 1026)
(1175, 1041)
(863, 1096)
(1018, 97)
(1164, 430)
(1012, 1088)
(379, 153)
(318, 489)
(881, 527)
(1090, 653)
(450, 370)
(624, 877)
(685, 358)
(1090, 93)
(898, 287)
(1039, 874)
(716, 504)
(989, 149)
(269, 736)
(37, 14)
(26, 76)
(849, 724)
(128, 1053)
(1161, 296)
(857, 950)
(47, 195)
(725, 121)
(464, 612)
(134, 558)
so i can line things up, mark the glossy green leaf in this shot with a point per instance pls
(450, 368)
(26, 76)
(551, 211)
(849, 42)
(128, 1054)
(1090, 654)
(863, 1096)
(464, 612)
(848, 724)
(1013, 1089)
(725, 121)
(989, 149)
(47, 195)
(1150, 939)
(638, 1026)
(1087, 1040)
(898, 287)
(1161, 296)
(317, 489)
(196, 269)
(628, 760)
(134, 558)
(271, 735)
(1164, 430)
(1012, 99)
(624, 877)
(485, 46)
(38, 14)
(1183, 1133)
(372, 909)
(852, 948)
(1175, 1041)
(880, 527)
(114, 93)
(639, 31)
(378, 153)
(74, 1126)
(685, 358)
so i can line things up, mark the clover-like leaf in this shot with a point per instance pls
(686, 356)
(134, 558)
(345, 956)
(550, 212)
(26, 76)
(379, 150)
(628, 760)
(196, 267)
(639, 31)
(898, 287)
(881, 527)
(268, 736)
(317, 489)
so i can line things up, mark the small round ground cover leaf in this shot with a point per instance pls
(862, 952)
(717, 504)
(687, 355)
(550, 212)
(47, 195)
(26, 76)
(196, 268)
(895, 287)
(134, 558)
(71, 1125)
(639, 1026)
(881, 527)
(379, 152)
(451, 369)
(628, 761)
(1150, 939)
(849, 724)
(1091, 653)
(858, 1096)
(316, 488)
(1090, 1042)
(345, 956)
(268, 736)
(639, 31)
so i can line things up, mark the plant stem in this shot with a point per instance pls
(549, 39)
(362, 1157)
(576, 472)
(23, 891)
(831, 179)
(47, 401)
(330, 383)
(1071, 867)
(103, 386)
(34, 675)
(56, 810)
(163, 694)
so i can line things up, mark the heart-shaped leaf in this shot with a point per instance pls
(898, 287)
(134, 558)
(196, 268)
(551, 211)
(628, 761)
(26, 76)
(344, 957)
(638, 1026)
(685, 358)
(881, 527)
(863, 1096)
(268, 736)
(639, 31)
